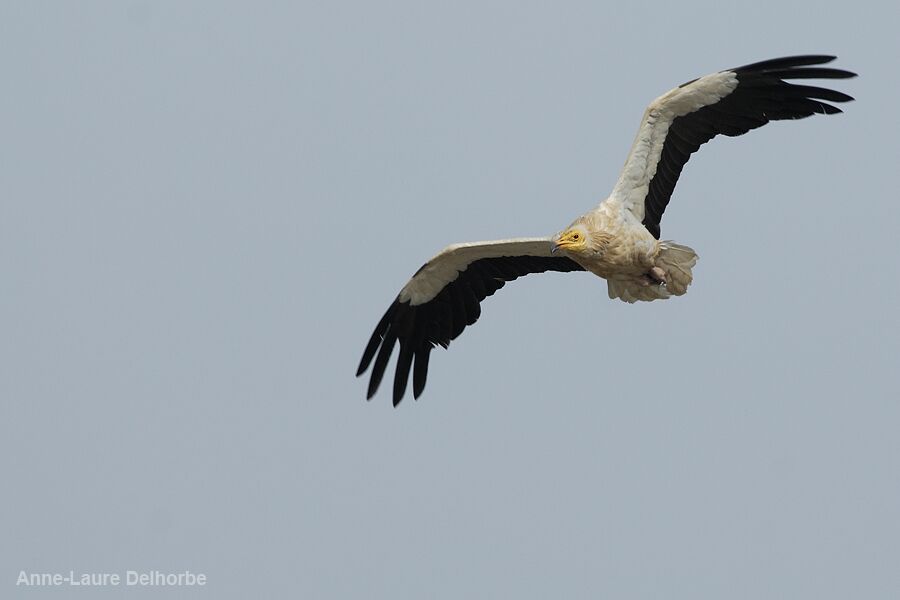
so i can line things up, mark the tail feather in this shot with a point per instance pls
(676, 260)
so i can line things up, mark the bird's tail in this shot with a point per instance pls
(675, 260)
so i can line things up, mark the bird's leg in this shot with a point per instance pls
(656, 275)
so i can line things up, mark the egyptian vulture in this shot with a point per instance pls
(619, 239)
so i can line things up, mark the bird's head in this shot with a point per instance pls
(574, 240)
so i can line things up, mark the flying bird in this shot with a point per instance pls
(619, 239)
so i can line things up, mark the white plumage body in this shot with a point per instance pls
(623, 252)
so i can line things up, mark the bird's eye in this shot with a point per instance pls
(575, 236)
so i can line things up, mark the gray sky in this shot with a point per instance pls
(206, 207)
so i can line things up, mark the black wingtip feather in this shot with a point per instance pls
(384, 355)
(420, 371)
(786, 62)
(820, 93)
(375, 341)
(811, 73)
(401, 375)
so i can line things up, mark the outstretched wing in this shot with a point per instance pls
(443, 297)
(730, 102)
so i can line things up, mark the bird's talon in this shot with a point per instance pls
(657, 275)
